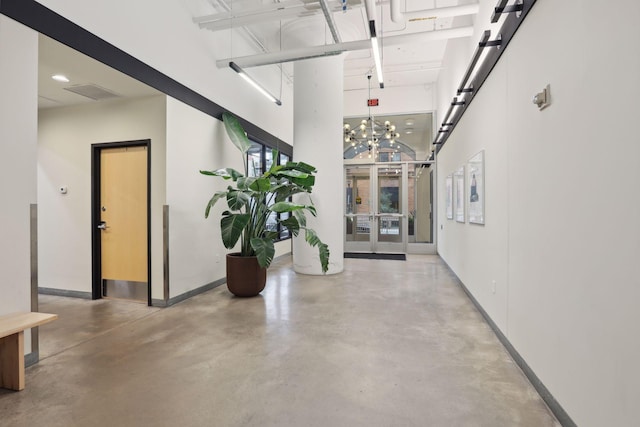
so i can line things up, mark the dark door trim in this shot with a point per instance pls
(96, 236)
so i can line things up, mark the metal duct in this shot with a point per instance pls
(370, 6)
(396, 13)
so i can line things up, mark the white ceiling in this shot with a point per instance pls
(56, 58)
(282, 25)
(414, 59)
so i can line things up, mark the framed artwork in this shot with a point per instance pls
(458, 182)
(449, 195)
(475, 178)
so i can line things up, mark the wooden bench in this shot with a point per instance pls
(12, 328)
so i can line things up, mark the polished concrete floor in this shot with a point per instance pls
(386, 343)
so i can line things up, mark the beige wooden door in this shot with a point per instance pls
(123, 216)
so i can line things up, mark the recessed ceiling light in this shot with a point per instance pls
(409, 122)
(60, 78)
(408, 131)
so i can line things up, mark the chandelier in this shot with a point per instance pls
(371, 135)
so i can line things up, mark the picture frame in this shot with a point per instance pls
(459, 197)
(449, 195)
(475, 180)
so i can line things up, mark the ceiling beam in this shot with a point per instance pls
(266, 13)
(239, 13)
(330, 22)
(295, 8)
(338, 48)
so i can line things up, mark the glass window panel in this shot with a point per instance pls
(254, 159)
(260, 159)
(268, 156)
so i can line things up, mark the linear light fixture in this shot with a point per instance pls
(254, 83)
(376, 52)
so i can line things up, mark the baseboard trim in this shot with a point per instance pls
(31, 359)
(189, 294)
(64, 293)
(558, 411)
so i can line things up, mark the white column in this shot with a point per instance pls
(317, 140)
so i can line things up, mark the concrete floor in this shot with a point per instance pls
(386, 343)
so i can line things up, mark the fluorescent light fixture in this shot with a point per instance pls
(60, 78)
(376, 52)
(254, 83)
(376, 58)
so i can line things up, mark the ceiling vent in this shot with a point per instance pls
(92, 91)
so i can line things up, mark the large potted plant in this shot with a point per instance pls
(253, 200)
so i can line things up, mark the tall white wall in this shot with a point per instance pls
(561, 237)
(393, 100)
(196, 141)
(64, 158)
(162, 35)
(18, 138)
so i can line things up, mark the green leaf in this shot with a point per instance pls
(217, 196)
(236, 133)
(271, 235)
(306, 183)
(323, 249)
(311, 209)
(300, 216)
(245, 182)
(227, 173)
(261, 185)
(301, 166)
(291, 173)
(231, 226)
(286, 207)
(236, 199)
(274, 165)
(292, 225)
(264, 250)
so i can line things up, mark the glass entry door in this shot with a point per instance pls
(375, 206)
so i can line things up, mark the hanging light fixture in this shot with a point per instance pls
(370, 135)
(254, 83)
(376, 53)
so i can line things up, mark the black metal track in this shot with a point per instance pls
(516, 15)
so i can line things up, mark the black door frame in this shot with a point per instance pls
(96, 235)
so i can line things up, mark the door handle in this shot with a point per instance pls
(102, 225)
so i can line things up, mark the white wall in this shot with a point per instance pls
(185, 53)
(196, 141)
(398, 100)
(64, 158)
(561, 236)
(18, 137)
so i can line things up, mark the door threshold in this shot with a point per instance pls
(373, 255)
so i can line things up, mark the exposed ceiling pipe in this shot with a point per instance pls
(396, 13)
(336, 49)
(330, 21)
(237, 14)
(256, 40)
(441, 12)
(370, 7)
